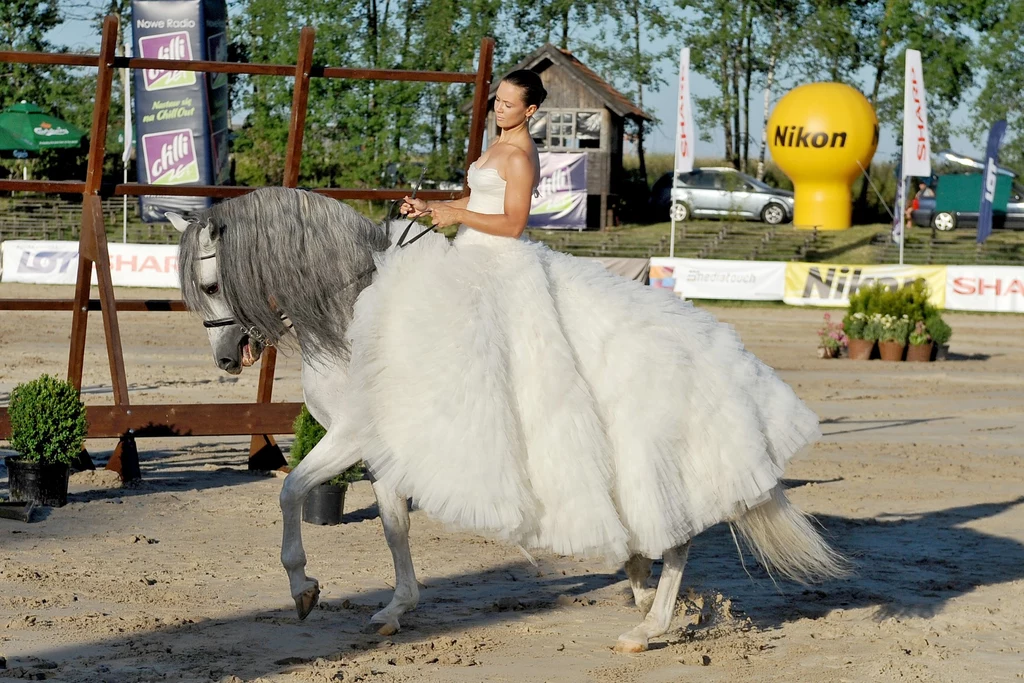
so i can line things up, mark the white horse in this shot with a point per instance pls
(236, 272)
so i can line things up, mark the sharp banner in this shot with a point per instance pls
(181, 117)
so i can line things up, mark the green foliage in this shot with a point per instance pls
(870, 305)
(938, 329)
(308, 433)
(47, 421)
(874, 328)
(854, 324)
(894, 329)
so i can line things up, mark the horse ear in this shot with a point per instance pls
(177, 221)
(206, 238)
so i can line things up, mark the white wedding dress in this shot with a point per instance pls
(520, 392)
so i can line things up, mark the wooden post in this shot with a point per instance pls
(264, 453)
(483, 91)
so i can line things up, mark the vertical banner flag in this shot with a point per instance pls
(988, 187)
(181, 117)
(917, 153)
(561, 199)
(898, 217)
(128, 141)
(685, 139)
(684, 120)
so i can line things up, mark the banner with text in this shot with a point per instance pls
(561, 199)
(985, 288)
(181, 117)
(831, 284)
(56, 263)
(720, 279)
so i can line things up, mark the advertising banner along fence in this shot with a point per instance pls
(56, 263)
(831, 284)
(720, 279)
(985, 288)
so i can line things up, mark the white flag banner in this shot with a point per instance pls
(685, 131)
(917, 152)
(127, 153)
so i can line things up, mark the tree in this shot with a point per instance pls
(58, 90)
(621, 53)
(1001, 58)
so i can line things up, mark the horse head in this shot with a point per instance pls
(233, 346)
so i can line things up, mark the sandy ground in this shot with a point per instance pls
(919, 479)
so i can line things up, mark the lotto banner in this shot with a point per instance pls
(985, 288)
(829, 284)
(56, 263)
(181, 117)
(720, 279)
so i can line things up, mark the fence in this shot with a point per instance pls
(261, 419)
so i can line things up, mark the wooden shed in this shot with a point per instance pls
(582, 113)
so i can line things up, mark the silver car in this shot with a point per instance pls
(727, 193)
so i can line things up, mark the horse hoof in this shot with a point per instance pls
(629, 646)
(387, 630)
(307, 600)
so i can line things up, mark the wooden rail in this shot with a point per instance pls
(263, 418)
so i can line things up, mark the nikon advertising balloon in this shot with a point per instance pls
(821, 135)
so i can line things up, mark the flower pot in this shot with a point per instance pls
(44, 484)
(919, 353)
(890, 350)
(860, 349)
(826, 352)
(324, 504)
(939, 351)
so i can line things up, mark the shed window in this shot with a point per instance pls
(558, 129)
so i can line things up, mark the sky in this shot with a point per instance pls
(83, 36)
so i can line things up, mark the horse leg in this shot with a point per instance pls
(659, 618)
(638, 569)
(328, 458)
(394, 516)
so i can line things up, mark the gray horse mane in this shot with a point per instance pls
(286, 251)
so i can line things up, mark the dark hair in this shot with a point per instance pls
(533, 90)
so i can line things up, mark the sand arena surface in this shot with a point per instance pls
(919, 478)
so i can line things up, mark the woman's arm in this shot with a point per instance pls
(460, 203)
(414, 208)
(518, 190)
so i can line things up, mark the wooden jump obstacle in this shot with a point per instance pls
(261, 419)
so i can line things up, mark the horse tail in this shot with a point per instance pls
(785, 540)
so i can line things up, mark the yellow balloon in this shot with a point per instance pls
(821, 135)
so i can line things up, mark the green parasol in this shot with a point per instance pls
(27, 128)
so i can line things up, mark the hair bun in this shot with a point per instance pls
(533, 88)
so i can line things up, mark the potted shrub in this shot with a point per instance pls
(893, 337)
(47, 430)
(326, 502)
(940, 332)
(855, 328)
(831, 339)
(920, 349)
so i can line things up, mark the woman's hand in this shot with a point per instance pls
(442, 215)
(413, 208)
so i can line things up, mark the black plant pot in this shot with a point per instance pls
(36, 482)
(324, 504)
